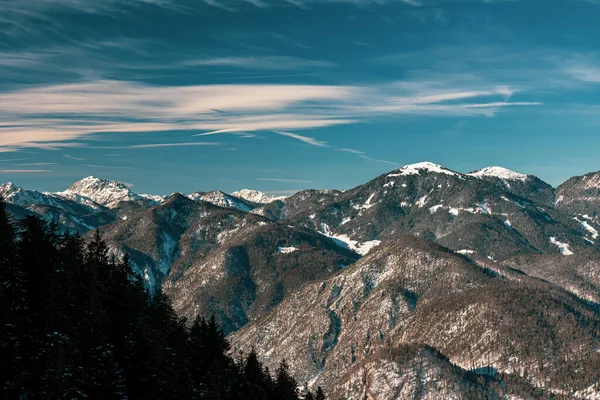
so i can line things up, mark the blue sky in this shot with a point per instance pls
(186, 95)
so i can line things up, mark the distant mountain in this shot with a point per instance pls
(254, 196)
(13, 194)
(223, 199)
(526, 186)
(67, 214)
(301, 202)
(410, 292)
(92, 190)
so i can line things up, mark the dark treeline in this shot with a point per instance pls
(76, 323)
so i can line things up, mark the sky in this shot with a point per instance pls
(283, 95)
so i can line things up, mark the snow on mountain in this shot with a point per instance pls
(256, 196)
(499, 172)
(14, 194)
(416, 169)
(222, 199)
(101, 191)
(346, 242)
(27, 198)
(286, 250)
(154, 197)
(562, 247)
(591, 181)
(580, 195)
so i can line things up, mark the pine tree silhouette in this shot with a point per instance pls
(77, 323)
(319, 394)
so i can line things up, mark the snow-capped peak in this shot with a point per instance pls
(8, 187)
(255, 196)
(14, 194)
(221, 199)
(11, 193)
(415, 169)
(499, 172)
(101, 191)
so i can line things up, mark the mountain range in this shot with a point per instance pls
(422, 283)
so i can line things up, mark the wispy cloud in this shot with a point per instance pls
(24, 171)
(12, 159)
(156, 145)
(260, 63)
(353, 151)
(284, 180)
(52, 116)
(105, 166)
(380, 161)
(306, 139)
(70, 157)
(584, 70)
(37, 164)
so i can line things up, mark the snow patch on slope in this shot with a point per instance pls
(344, 241)
(465, 252)
(562, 247)
(286, 250)
(589, 228)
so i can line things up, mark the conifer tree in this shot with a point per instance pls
(76, 323)
(286, 387)
(319, 394)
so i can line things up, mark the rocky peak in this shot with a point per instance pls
(101, 191)
(256, 196)
(14, 194)
(223, 199)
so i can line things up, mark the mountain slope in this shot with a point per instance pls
(222, 261)
(579, 274)
(580, 195)
(422, 372)
(410, 291)
(223, 199)
(301, 202)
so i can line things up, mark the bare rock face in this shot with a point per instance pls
(411, 292)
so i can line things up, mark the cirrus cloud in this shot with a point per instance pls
(51, 116)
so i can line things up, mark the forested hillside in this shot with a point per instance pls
(78, 324)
